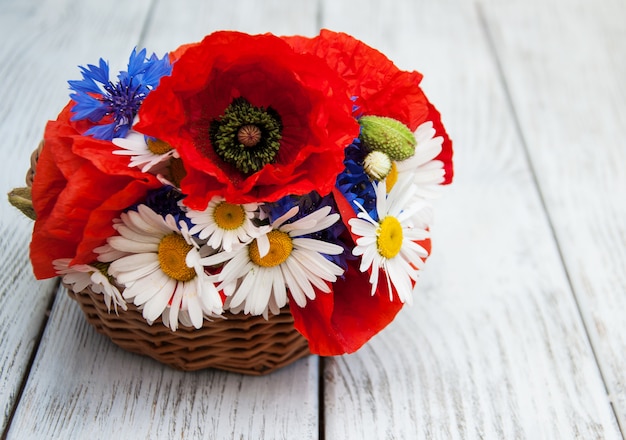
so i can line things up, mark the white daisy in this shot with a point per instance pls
(81, 276)
(162, 272)
(428, 174)
(226, 224)
(256, 276)
(389, 243)
(145, 152)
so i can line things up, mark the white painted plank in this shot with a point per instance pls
(564, 64)
(186, 21)
(42, 42)
(84, 387)
(23, 306)
(494, 346)
(111, 393)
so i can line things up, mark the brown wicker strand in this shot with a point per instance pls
(30, 175)
(238, 343)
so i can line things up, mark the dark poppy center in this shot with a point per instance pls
(246, 136)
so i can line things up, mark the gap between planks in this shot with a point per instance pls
(31, 360)
(484, 25)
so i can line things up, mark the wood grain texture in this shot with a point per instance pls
(83, 386)
(565, 69)
(39, 52)
(176, 23)
(111, 393)
(494, 346)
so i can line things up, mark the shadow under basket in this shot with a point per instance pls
(239, 343)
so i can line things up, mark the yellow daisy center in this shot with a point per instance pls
(392, 177)
(280, 249)
(228, 216)
(389, 237)
(173, 250)
(158, 147)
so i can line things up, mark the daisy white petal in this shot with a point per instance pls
(278, 261)
(301, 276)
(145, 152)
(131, 246)
(162, 269)
(81, 276)
(426, 172)
(193, 304)
(317, 245)
(224, 224)
(388, 245)
(177, 300)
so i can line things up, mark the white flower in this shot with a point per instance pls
(145, 152)
(161, 270)
(256, 276)
(226, 224)
(389, 243)
(428, 174)
(81, 276)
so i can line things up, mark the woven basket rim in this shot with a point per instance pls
(235, 342)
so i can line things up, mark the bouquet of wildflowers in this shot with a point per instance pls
(244, 173)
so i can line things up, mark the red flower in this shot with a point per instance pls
(79, 188)
(380, 88)
(342, 321)
(297, 112)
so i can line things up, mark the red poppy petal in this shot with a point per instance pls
(380, 87)
(342, 321)
(99, 224)
(312, 101)
(75, 198)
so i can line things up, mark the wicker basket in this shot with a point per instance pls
(239, 343)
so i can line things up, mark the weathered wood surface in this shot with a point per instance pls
(516, 325)
(494, 346)
(39, 53)
(565, 68)
(92, 389)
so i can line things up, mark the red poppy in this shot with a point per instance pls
(342, 321)
(380, 88)
(301, 119)
(79, 188)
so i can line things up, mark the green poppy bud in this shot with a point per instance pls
(387, 135)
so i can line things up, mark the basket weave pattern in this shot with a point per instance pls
(240, 343)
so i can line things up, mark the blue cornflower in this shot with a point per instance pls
(114, 105)
(354, 183)
(165, 200)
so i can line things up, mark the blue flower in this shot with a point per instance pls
(164, 201)
(354, 183)
(112, 107)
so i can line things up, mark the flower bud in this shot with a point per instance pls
(21, 198)
(377, 165)
(387, 135)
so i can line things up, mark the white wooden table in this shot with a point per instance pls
(518, 327)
